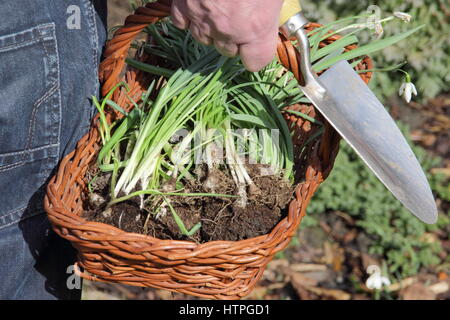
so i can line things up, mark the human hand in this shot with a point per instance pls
(248, 28)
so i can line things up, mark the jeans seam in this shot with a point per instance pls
(38, 103)
(9, 214)
(12, 166)
(26, 42)
(94, 38)
(59, 98)
(94, 35)
(23, 155)
(55, 85)
(29, 150)
(21, 44)
(19, 219)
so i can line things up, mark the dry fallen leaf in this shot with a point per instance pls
(350, 236)
(442, 276)
(348, 219)
(334, 256)
(417, 291)
(444, 171)
(300, 283)
(402, 284)
(308, 267)
(429, 238)
(330, 293)
(298, 279)
(276, 264)
(164, 294)
(440, 287)
(305, 286)
(258, 293)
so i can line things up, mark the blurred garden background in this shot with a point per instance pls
(353, 221)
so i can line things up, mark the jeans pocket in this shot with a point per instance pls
(30, 116)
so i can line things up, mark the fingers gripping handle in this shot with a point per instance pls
(292, 24)
(290, 8)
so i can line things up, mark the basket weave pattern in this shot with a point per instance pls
(218, 269)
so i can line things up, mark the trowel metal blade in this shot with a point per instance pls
(356, 113)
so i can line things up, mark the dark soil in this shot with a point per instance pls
(222, 218)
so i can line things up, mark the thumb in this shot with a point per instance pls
(257, 54)
(178, 18)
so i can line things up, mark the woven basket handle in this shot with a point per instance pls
(117, 48)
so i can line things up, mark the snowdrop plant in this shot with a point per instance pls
(209, 95)
(407, 89)
(403, 16)
(376, 281)
(203, 91)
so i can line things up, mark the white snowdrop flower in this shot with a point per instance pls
(165, 29)
(376, 280)
(141, 49)
(379, 30)
(407, 90)
(403, 16)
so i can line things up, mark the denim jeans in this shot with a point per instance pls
(49, 56)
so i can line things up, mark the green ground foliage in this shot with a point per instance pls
(397, 236)
(427, 52)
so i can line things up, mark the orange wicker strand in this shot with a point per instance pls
(213, 270)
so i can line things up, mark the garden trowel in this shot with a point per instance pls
(355, 112)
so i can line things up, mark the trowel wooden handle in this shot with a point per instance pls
(290, 9)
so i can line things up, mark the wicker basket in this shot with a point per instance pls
(218, 269)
